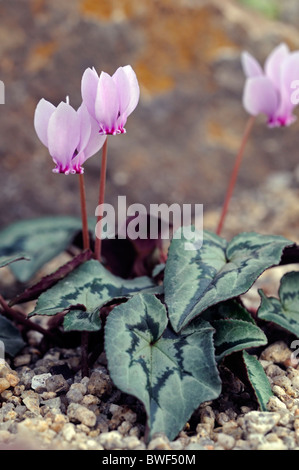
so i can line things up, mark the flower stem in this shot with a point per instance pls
(86, 246)
(98, 242)
(234, 174)
(20, 318)
(85, 233)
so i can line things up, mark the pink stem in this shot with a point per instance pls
(98, 242)
(235, 174)
(85, 233)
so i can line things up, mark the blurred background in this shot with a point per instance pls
(182, 139)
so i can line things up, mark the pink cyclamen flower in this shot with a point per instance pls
(269, 91)
(110, 99)
(70, 136)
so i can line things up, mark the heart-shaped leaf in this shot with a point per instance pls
(258, 379)
(285, 310)
(172, 374)
(87, 289)
(39, 239)
(197, 279)
(11, 337)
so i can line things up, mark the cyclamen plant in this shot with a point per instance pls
(267, 92)
(166, 334)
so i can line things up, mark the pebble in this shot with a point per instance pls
(57, 384)
(80, 413)
(32, 402)
(226, 441)
(99, 383)
(277, 352)
(260, 422)
(22, 360)
(76, 393)
(38, 382)
(111, 440)
(88, 414)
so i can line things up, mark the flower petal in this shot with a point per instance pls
(89, 86)
(43, 112)
(134, 89)
(260, 97)
(251, 66)
(95, 142)
(274, 62)
(63, 135)
(123, 87)
(289, 74)
(85, 126)
(107, 103)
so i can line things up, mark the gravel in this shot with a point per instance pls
(40, 409)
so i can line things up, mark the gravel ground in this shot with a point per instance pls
(46, 405)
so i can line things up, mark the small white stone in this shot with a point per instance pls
(68, 431)
(38, 382)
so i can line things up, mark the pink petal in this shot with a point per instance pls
(63, 135)
(274, 62)
(85, 126)
(43, 112)
(89, 86)
(250, 65)
(95, 142)
(289, 73)
(123, 87)
(260, 97)
(134, 89)
(107, 103)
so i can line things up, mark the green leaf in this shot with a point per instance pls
(39, 239)
(285, 310)
(258, 380)
(88, 288)
(229, 310)
(236, 335)
(80, 320)
(11, 337)
(6, 260)
(171, 374)
(197, 279)
(235, 329)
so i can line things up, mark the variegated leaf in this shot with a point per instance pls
(236, 335)
(82, 320)
(285, 310)
(11, 337)
(197, 279)
(6, 260)
(87, 289)
(172, 374)
(235, 329)
(258, 379)
(40, 239)
(228, 310)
